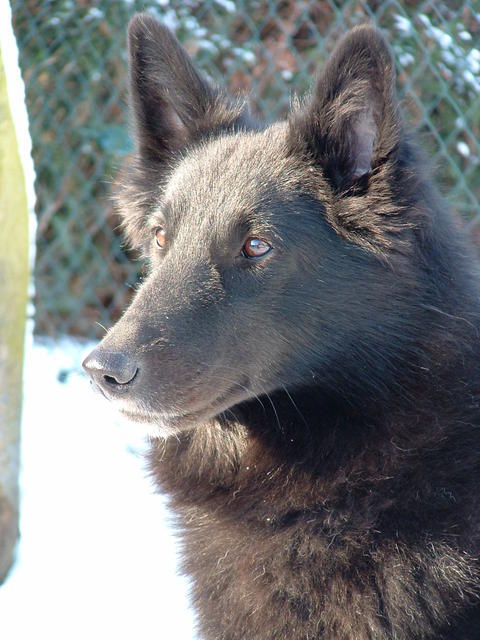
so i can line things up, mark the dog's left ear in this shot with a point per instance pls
(351, 123)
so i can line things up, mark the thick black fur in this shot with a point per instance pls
(316, 411)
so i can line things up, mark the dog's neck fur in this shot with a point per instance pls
(332, 443)
(353, 482)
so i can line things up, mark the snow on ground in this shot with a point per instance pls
(97, 558)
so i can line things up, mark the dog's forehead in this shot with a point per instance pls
(234, 173)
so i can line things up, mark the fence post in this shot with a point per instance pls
(14, 274)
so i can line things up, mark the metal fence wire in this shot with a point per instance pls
(74, 63)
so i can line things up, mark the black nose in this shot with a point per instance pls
(111, 371)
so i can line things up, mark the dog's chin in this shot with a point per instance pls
(163, 424)
(154, 425)
(160, 425)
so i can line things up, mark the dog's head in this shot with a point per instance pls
(270, 247)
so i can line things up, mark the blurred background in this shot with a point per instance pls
(74, 65)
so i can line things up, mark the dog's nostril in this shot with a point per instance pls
(119, 379)
(112, 370)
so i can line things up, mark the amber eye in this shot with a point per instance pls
(160, 237)
(256, 248)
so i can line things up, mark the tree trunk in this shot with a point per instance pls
(14, 274)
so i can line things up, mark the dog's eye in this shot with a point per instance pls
(256, 248)
(160, 237)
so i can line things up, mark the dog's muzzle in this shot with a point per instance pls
(113, 373)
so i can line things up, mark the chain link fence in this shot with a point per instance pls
(74, 64)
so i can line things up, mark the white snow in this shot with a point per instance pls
(463, 149)
(470, 79)
(165, 15)
(94, 13)
(244, 54)
(206, 45)
(449, 57)
(97, 557)
(406, 59)
(403, 24)
(473, 61)
(228, 5)
(465, 36)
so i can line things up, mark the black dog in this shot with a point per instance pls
(306, 350)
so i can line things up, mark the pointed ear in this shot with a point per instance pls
(172, 103)
(351, 123)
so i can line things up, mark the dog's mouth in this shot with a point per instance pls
(137, 416)
(169, 422)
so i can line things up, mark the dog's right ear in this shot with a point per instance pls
(173, 104)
